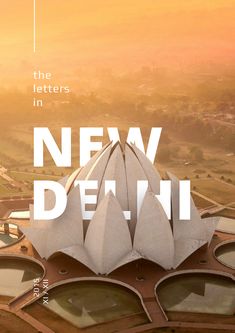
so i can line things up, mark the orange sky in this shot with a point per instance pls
(116, 33)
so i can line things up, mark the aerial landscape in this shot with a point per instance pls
(196, 112)
(189, 148)
(121, 64)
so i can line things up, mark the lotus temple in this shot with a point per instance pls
(108, 274)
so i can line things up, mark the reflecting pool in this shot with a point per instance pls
(19, 214)
(199, 293)
(226, 254)
(86, 303)
(9, 234)
(226, 225)
(17, 275)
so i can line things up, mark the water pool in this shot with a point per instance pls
(226, 254)
(198, 293)
(19, 215)
(87, 303)
(226, 225)
(9, 234)
(17, 275)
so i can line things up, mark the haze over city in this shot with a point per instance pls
(121, 35)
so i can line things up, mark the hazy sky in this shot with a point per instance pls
(117, 32)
